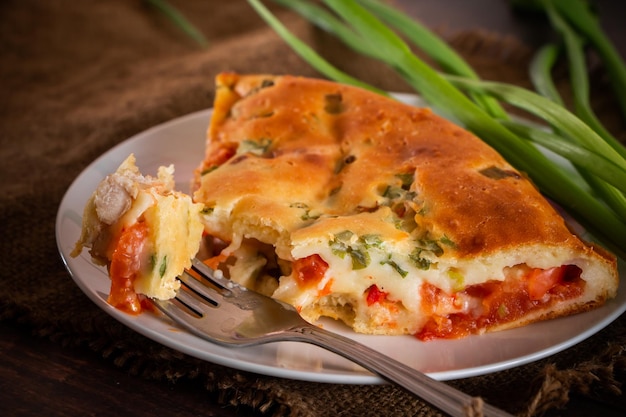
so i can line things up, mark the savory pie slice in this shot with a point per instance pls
(143, 231)
(351, 205)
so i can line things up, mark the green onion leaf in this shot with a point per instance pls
(609, 191)
(579, 79)
(163, 267)
(557, 116)
(180, 20)
(395, 266)
(307, 53)
(578, 13)
(540, 72)
(592, 162)
(360, 258)
(435, 48)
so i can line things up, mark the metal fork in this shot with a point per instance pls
(223, 312)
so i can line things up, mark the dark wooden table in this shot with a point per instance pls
(41, 377)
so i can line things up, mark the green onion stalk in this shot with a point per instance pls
(306, 52)
(580, 83)
(541, 76)
(435, 47)
(179, 20)
(579, 15)
(583, 20)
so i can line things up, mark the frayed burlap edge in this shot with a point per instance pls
(595, 378)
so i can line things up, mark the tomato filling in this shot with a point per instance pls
(219, 156)
(494, 303)
(375, 295)
(124, 267)
(310, 270)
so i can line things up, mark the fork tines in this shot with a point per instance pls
(200, 288)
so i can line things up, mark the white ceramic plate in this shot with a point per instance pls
(181, 142)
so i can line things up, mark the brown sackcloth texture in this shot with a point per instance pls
(78, 77)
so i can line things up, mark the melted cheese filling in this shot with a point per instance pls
(374, 292)
(150, 246)
(144, 231)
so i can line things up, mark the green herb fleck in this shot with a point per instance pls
(344, 236)
(360, 258)
(392, 192)
(430, 246)
(307, 211)
(259, 148)
(448, 242)
(496, 173)
(371, 240)
(340, 246)
(163, 267)
(418, 260)
(308, 216)
(343, 162)
(394, 265)
(209, 169)
(406, 179)
(334, 191)
(502, 311)
(334, 103)
(457, 278)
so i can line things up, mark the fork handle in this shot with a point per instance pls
(438, 394)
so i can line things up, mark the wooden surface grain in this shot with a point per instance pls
(41, 377)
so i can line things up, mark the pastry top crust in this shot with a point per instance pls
(384, 195)
(337, 150)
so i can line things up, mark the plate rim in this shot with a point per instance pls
(362, 377)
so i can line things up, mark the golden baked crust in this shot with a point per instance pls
(385, 194)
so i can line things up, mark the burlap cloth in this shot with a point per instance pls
(78, 77)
